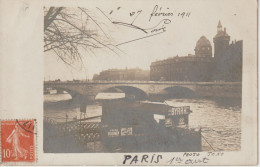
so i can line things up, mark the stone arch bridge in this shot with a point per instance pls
(146, 89)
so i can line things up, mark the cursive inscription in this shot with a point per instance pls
(156, 28)
(188, 161)
(165, 12)
(159, 12)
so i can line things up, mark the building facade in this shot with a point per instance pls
(134, 74)
(196, 67)
(228, 57)
(226, 65)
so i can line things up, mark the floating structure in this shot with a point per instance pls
(127, 125)
(130, 126)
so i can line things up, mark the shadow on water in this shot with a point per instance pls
(180, 92)
(226, 102)
(60, 105)
(176, 92)
(220, 102)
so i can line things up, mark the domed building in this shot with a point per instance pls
(195, 68)
(226, 65)
(203, 47)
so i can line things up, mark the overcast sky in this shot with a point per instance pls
(179, 38)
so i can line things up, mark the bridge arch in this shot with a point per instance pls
(180, 92)
(137, 93)
(75, 96)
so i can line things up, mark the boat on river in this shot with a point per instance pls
(143, 126)
(127, 125)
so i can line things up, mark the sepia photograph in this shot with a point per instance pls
(147, 79)
(128, 82)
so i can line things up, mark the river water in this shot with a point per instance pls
(220, 120)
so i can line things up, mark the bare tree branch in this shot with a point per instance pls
(72, 33)
(50, 17)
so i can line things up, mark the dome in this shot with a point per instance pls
(203, 41)
(203, 47)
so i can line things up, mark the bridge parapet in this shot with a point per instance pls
(143, 82)
(90, 89)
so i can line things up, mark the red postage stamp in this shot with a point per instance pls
(18, 141)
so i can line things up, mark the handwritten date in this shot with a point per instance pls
(164, 12)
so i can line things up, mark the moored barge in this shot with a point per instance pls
(142, 126)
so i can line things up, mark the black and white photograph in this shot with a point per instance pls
(164, 88)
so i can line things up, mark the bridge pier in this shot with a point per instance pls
(156, 97)
(59, 91)
(78, 98)
(83, 101)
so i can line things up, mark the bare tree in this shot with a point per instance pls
(69, 32)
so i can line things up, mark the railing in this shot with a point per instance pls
(83, 132)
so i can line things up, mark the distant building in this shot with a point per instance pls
(228, 57)
(134, 74)
(202, 67)
(196, 67)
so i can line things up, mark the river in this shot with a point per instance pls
(220, 120)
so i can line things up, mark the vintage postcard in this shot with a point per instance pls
(128, 82)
